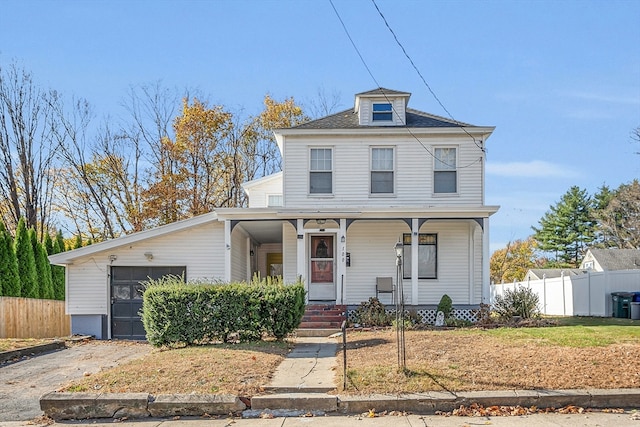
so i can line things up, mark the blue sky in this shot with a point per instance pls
(559, 79)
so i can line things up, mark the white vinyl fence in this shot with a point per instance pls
(586, 294)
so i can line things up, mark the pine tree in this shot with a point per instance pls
(9, 278)
(57, 271)
(43, 268)
(26, 262)
(60, 241)
(77, 244)
(568, 228)
(48, 244)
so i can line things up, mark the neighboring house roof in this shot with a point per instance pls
(348, 119)
(550, 273)
(616, 259)
(262, 180)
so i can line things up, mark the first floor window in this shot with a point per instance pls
(427, 256)
(445, 173)
(320, 171)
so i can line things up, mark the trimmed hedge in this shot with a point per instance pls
(175, 312)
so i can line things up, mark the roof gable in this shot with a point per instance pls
(67, 257)
(616, 259)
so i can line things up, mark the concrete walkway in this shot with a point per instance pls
(309, 368)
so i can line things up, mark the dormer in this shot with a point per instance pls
(382, 107)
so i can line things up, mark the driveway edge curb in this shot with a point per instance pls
(9, 355)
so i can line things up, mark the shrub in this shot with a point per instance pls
(175, 312)
(521, 301)
(372, 313)
(445, 306)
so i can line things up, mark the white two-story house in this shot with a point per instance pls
(353, 184)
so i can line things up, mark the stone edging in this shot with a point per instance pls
(59, 406)
(9, 355)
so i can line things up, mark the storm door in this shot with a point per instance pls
(126, 298)
(322, 283)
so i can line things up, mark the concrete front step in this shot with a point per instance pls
(296, 401)
(316, 332)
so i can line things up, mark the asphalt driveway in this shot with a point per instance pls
(22, 383)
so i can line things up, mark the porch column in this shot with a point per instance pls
(301, 271)
(486, 290)
(415, 240)
(227, 250)
(342, 265)
(471, 262)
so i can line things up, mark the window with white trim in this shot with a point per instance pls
(445, 170)
(382, 112)
(427, 256)
(320, 171)
(382, 173)
(274, 200)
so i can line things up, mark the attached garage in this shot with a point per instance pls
(127, 287)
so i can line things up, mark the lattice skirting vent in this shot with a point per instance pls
(428, 315)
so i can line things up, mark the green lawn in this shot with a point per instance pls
(576, 332)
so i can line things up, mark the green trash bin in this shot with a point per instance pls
(622, 304)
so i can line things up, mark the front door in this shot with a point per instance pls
(322, 286)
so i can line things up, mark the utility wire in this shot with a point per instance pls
(424, 81)
(355, 47)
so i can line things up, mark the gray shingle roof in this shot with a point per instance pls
(550, 273)
(617, 259)
(348, 119)
(382, 91)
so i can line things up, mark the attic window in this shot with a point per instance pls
(382, 112)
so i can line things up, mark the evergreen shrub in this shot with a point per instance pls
(175, 312)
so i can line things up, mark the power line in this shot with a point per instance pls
(355, 47)
(424, 81)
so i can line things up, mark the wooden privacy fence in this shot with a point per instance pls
(33, 318)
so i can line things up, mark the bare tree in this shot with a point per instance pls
(324, 104)
(27, 150)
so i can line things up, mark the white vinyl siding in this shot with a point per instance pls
(413, 177)
(239, 250)
(198, 248)
(366, 113)
(371, 246)
(289, 253)
(261, 190)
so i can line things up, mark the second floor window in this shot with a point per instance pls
(445, 171)
(382, 112)
(382, 171)
(320, 171)
(274, 201)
